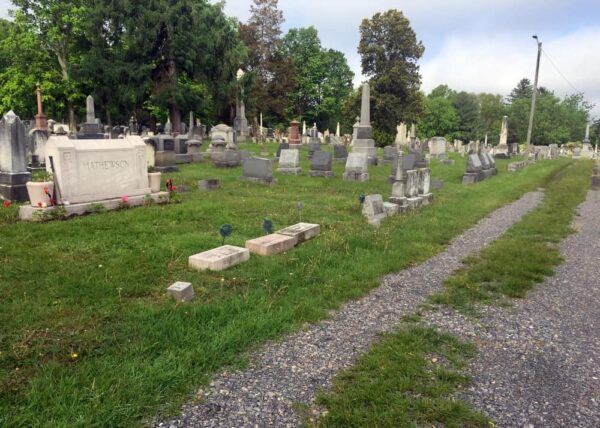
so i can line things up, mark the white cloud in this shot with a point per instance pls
(479, 63)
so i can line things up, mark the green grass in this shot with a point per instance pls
(404, 381)
(527, 253)
(95, 286)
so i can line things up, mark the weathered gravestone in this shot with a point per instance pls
(320, 165)
(389, 154)
(181, 291)
(474, 170)
(364, 143)
(258, 170)
(165, 158)
(270, 245)
(357, 167)
(193, 149)
(282, 146)
(301, 232)
(373, 209)
(340, 153)
(312, 148)
(219, 258)
(437, 147)
(13, 159)
(289, 162)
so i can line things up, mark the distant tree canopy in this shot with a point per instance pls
(161, 59)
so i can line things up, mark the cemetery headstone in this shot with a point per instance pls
(373, 209)
(258, 170)
(219, 258)
(289, 162)
(340, 153)
(363, 142)
(320, 165)
(13, 159)
(357, 167)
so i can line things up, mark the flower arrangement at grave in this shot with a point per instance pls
(6, 204)
(41, 190)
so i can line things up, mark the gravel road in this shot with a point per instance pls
(539, 360)
(295, 369)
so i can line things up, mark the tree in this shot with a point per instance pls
(323, 78)
(491, 111)
(442, 91)
(524, 89)
(59, 25)
(440, 118)
(467, 108)
(389, 53)
(189, 43)
(272, 75)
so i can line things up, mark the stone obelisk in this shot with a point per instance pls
(501, 150)
(364, 142)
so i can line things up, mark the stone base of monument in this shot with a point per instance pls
(12, 186)
(181, 291)
(271, 244)
(415, 203)
(471, 177)
(226, 159)
(427, 198)
(289, 171)
(489, 173)
(211, 184)
(270, 181)
(326, 174)
(219, 258)
(29, 213)
(398, 201)
(356, 176)
(391, 209)
(301, 232)
(183, 158)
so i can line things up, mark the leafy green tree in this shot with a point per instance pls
(272, 75)
(440, 118)
(524, 89)
(389, 53)
(442, 91)
(23, 63)
(467, 108)
(491, 109)
(59, 25)
(323, 78)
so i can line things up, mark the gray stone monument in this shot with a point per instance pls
(91, 129)
(289, 162)
(340, 153)
(258, 170)
(364, 143)
(240, 124)
(320, 165)
(13, 159)
(357, 167)
(501, 150)
(374, 210)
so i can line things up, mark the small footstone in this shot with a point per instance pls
(219, 258)
(181, 291)
(301, 232)
(210, 184)
(271, 244)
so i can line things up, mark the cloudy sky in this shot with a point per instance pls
(472, 45)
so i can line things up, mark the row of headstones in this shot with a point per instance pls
(480, 166)
(227, 256)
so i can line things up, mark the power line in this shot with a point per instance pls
(560, 72)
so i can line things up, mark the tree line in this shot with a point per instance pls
(155, 59)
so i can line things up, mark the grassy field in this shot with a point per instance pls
(89, 337)
(409, 378)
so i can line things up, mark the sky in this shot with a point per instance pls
(470, 45)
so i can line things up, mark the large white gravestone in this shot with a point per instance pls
(95, 170)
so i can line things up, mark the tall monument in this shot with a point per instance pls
(240, 124)
(501, 150)
(364, 142)
(13, 159)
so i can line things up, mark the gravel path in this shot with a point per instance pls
(294, 370)
(539, 361)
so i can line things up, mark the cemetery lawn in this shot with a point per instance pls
(526, 253)
(89, 337)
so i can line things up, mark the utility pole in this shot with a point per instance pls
(535, 84)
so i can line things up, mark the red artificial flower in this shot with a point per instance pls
(46, 190)
(39, 205)
(173, 188)
(125, 199)
(6, 204)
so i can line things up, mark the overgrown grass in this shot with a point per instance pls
(404, 381)
(527, 253)
(88, 337)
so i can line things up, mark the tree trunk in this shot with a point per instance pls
(175, 115)
(61, 55)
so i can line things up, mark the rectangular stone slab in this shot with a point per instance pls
(301, 231)
(181, 291)
(271, 244)
(219, 258)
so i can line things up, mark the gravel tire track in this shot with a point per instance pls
(539, 361)
(295, 369)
